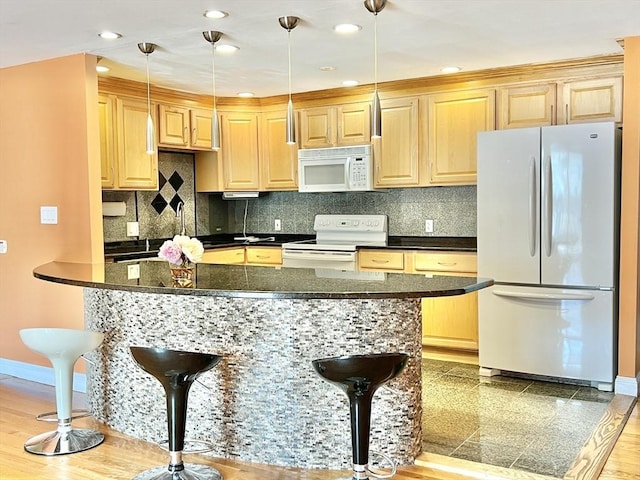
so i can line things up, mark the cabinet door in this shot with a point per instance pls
(454, 120)
(591, 100)
(527, 106)
(451, 322)
(353, 124)
(240, 151)
(107, 147)
(396, 156)
(173, 126)
(200, 121)
(137, 169)
(380, 260)
(224, 256)
(278, 161)
(208, 171)
(317, 127)
(264, 255)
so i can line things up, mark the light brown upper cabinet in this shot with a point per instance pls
(125, 164)
(527, 105)
(397, 158)
(278, 161)
(107, 141)
(240, 161)
(348, 124)
(454, 120)
(590, 100)
(182, 127)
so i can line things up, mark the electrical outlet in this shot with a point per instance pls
(428, 226)
(133, 271)
(133, 229)
(277, 225)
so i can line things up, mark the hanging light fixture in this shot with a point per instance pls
(212, 37)
(375, 7)
(148, 48)
(289, 23)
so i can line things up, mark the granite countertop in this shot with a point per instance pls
(258, 282)
(137, 249)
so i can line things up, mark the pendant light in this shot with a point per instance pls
(375, 7)
(289, 23)
(148, 48)
(212, 37)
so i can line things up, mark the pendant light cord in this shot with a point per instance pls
(213, 69)
(289, 52)
(375, 51)
(148, 94)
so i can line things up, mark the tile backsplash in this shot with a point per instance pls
(452, 209)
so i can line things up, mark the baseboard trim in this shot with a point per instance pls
(38, 374)
(627, 385)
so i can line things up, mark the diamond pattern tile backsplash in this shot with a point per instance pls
(452, 209)
(157, 211)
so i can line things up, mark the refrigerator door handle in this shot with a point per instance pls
(533, 195)
(544, 296)
(548, 207)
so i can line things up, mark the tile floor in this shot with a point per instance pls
(509, 422)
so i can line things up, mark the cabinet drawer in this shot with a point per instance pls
(271, 256)
(445, 262)
(226, 255)
(383, 260)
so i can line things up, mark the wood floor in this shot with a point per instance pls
(122, 457)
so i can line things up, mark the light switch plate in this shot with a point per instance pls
(3, 246)
(49, 215)
(277, 225)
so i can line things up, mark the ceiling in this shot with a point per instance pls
(416, 38)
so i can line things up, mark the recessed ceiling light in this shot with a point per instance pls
(102, 69)
(450, 69)
(226, 48)
(350, 83)
(328, 68)
(246, 94)
(347, 28)
(107, 35)
(215, 14)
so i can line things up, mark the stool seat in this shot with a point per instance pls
(359, 376)
(176, 371)
(63, 347)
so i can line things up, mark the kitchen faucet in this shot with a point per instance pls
(180, 213)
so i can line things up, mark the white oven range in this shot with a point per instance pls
(336, 242)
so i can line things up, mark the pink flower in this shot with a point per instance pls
(171, 252)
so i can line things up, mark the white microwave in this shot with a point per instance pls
(337, 169)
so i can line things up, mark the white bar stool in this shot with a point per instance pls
(62, 347)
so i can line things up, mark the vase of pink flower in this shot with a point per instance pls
(182, 253)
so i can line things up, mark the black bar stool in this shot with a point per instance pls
(63, 347)
(176, 371)
(359, 376)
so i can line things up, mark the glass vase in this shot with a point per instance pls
(183, 275)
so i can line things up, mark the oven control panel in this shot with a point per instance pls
(350, 223)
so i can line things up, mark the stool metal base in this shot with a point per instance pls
(63, 442)
(191, 471)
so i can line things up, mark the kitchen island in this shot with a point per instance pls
(264, 402)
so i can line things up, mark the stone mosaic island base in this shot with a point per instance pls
(263, 402)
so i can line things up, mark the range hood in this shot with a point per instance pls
(239, 195)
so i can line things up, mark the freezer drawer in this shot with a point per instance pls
(556, 332)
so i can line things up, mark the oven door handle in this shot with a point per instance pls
(319, 255)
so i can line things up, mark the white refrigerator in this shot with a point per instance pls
(548, 222)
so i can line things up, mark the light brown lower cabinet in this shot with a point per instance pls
(268, 256)
(447, 322)
(224, 255)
